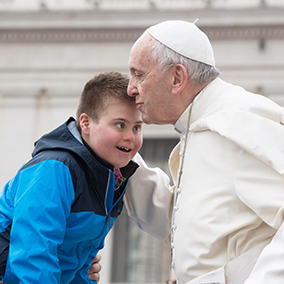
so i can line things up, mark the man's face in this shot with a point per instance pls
(117, 135)
(149, 85)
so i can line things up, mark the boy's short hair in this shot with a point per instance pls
(98, 90)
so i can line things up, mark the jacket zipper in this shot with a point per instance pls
(108, 213)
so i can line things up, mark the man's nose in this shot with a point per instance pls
(132, 90)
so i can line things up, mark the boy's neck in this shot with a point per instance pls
(97, 157)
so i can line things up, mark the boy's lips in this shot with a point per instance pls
(123, 149)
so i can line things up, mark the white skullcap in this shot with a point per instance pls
(184, 38)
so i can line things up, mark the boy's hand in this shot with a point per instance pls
(95, 268)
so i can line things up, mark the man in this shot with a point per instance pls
(228, 169)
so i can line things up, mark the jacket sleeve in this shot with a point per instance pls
(82, 275)
(43, 196)
(148, 200)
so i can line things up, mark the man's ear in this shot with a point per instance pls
(179, 79)
(85, 123)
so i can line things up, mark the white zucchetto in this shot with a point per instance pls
(184, 38)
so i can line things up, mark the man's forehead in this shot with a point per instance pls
(143, 43)
(142, 48)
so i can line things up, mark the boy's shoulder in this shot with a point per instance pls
(52, 155)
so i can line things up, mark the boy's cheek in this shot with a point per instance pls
(140, 143)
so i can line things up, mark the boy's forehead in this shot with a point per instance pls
(120, 109)
(114, 101)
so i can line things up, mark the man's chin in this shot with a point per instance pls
(146, 120)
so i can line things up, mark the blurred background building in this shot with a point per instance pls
(50, 48)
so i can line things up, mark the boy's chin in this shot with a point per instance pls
(122, 165)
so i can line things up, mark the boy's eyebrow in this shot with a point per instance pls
(123, 119)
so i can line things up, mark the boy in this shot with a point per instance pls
(57, 210)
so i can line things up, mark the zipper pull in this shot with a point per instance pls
(108, 219)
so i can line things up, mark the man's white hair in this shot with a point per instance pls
(199, 73)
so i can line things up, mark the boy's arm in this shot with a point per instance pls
(148, 200)
(44, 194)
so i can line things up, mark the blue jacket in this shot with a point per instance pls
(56, 212)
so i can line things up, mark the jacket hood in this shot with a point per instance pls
(60, 139)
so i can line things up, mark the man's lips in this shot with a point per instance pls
(138, 105)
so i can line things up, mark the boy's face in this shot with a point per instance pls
(117, 135)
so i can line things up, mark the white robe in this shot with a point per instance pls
(232, 187)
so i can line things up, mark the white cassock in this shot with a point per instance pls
(231, 198)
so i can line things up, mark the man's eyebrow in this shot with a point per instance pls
(133, 69)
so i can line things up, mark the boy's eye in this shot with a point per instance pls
(120, 125)
(137, 127)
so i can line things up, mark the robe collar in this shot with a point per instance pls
(180, 125)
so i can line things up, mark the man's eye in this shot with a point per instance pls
(137, 75)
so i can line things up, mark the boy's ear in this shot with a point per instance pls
(85, 123)
(179, 79)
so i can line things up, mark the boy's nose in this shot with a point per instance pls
(129, 135)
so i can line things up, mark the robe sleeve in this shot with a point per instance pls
(148, 200)
(259, 166)
(259, 179)
(269, 266)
